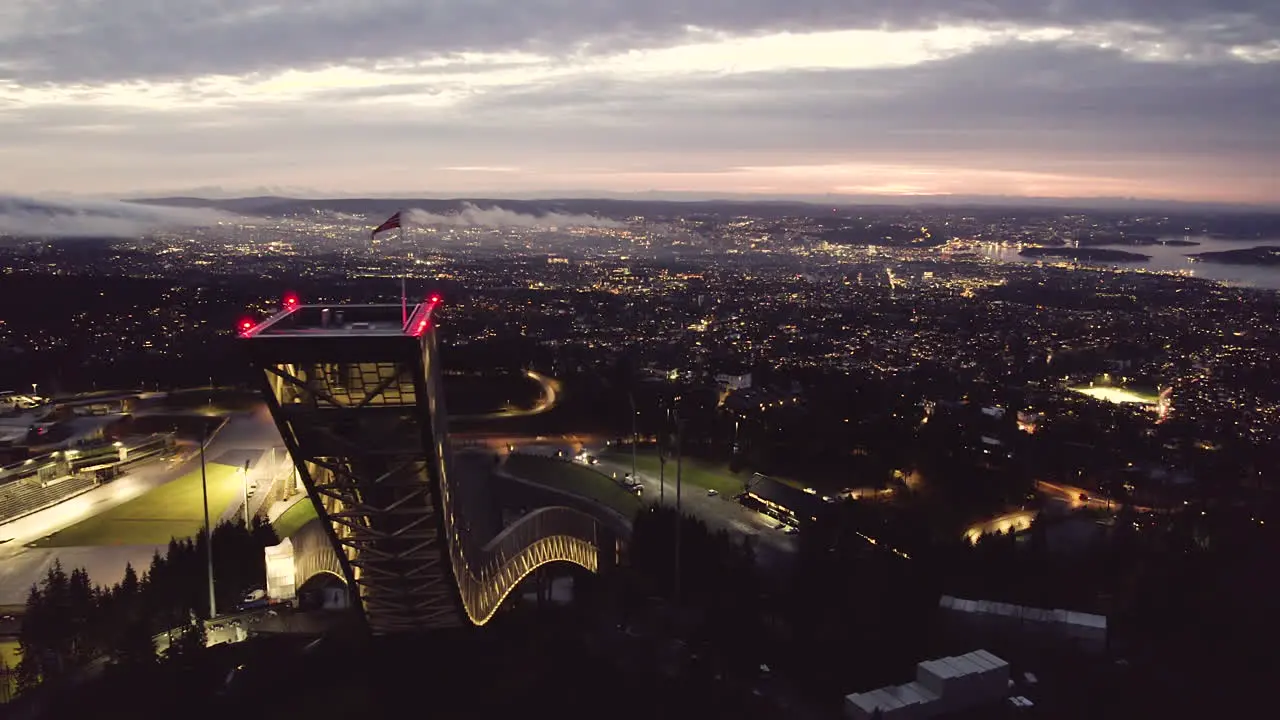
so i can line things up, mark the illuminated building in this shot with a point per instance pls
(355, 392)
(791, 506)
(1028, 421)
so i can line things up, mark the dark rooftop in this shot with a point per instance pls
(801, 503)
(341, 320)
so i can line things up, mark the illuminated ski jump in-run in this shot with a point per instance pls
(355, 391)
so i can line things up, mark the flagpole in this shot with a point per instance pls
(404, 298)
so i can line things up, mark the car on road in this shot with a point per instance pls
(712, 492)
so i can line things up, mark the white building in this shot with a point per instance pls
(281, 571)
(734, 382)
(941, 686)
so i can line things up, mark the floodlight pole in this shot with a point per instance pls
(635, 437)
(244, 486)
(662, 469)
(404, 299)
(679, 511)
(208, 530)
(662, 460)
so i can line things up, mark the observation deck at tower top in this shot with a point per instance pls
(340, 320)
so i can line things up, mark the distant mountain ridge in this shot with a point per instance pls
(272, 206)
(378, 207)
(612, 203)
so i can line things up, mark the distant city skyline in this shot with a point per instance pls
(1144, 99)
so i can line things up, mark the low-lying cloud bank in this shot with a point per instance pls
(499, 217)
(28, 217)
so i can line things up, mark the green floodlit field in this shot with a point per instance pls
(573, 478)
(175, 509)
(292, 520)
(1118, 395)
(10, 656)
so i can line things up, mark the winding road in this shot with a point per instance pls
(550, 396)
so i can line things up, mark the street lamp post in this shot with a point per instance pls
(208, 529)
(663, 439)
(245, 488)
(635, 437)
(662, 471)
(679, 515)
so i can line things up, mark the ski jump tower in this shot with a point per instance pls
(356, 394)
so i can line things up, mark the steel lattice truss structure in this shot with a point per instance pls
(356, 394)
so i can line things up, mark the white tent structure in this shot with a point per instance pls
(941, 686)
(1086, 629)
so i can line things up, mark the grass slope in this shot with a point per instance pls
(292, 520)
(575, 479)
(175, 509)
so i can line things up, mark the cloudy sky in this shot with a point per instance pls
(1170, 99)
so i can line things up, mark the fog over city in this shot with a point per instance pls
(472, 215)
(73, 217)
(22, 217)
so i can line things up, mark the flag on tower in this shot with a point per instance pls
(391, 223)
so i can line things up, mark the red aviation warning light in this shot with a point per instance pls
(424, 322)
(245, 325)
(290, 301)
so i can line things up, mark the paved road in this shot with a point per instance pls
(502, 442)
(550, 396)
(1070, 495)
(1066, 497)
(774, 549)
(1016, 521)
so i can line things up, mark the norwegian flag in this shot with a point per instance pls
(391, 223)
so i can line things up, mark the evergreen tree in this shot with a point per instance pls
(130, 586)
(131, 641)
(264, 532)
(57, 623)
(61, 627)
(186, 647)
(32, 642)
(6, 686)
(749, 552)
(1039, 534)
(134, 645)
(81, 611)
